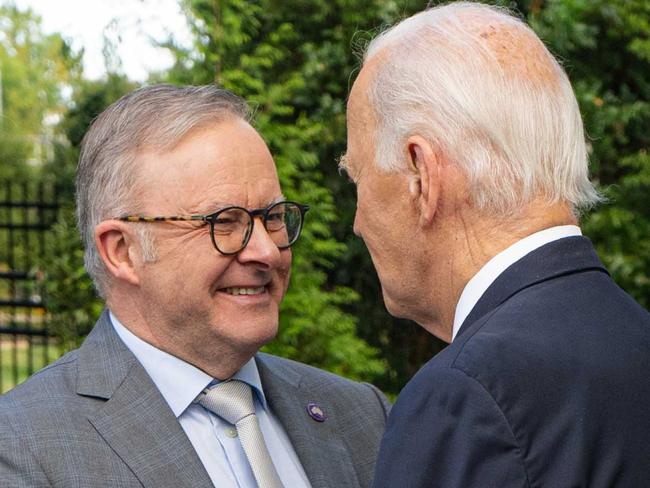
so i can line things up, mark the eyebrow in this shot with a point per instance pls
(210, 208)
(279, 199)
(344, 164)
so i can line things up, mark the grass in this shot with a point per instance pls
(15, 360)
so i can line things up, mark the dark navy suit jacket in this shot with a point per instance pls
(546, 385)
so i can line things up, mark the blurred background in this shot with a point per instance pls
(62, 62)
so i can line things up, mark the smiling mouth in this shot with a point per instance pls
(244, 291)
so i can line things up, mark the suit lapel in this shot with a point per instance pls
(557, 258)
(135, 421)
(324, 456)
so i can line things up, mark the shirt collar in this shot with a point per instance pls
(178, 381)
(482, 280)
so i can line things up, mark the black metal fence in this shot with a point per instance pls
(27, 211)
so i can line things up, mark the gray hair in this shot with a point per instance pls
(478, 83)
(157, 117)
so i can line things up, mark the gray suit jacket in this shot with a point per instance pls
(95, 418)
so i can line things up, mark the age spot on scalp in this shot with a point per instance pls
(518, 51)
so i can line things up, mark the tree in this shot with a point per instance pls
(34, 67)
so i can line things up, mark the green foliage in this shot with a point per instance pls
(69, 295)
(90, 99)
(33, 69)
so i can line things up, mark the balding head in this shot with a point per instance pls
(480, 85)
(518, 52)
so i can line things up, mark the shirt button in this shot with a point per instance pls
(232, 433)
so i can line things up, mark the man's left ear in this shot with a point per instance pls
(424, 166)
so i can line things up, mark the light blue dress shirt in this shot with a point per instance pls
(214, 439)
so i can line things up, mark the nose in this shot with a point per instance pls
(260, 248)
(356, 227)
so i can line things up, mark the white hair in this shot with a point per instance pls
(481, 86)
(107, 182)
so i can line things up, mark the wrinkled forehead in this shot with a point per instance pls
(228, 161)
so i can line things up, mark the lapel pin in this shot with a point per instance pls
(316, 412)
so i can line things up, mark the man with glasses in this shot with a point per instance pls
(187, 237)
(467, 148)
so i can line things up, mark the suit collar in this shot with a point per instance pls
(558, 258)
(491, 270)
(104, 361)
(135, 420)
(319, 445)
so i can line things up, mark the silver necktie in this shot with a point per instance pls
(233, 401)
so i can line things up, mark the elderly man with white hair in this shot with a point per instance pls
(467, 147)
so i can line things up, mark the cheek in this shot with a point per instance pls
(284, 269)
(205, 270)
(361, 213)
(369, 217)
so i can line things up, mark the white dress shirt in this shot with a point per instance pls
(214, 439)
(482, 280)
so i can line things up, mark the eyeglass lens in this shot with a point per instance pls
(231, 227)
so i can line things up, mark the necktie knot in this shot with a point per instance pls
(231, 400)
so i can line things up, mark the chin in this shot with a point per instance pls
(257, 334)
(271, 334)
(391, 305)
(396, 307)
(393, 309)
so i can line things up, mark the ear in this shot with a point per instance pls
(116, 245)
(425, 184)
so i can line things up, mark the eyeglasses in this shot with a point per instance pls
(231, 227)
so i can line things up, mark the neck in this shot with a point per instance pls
(466, 243)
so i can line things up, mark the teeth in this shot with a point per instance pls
(245, 291)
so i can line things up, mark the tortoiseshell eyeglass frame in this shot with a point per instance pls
(212, 218)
